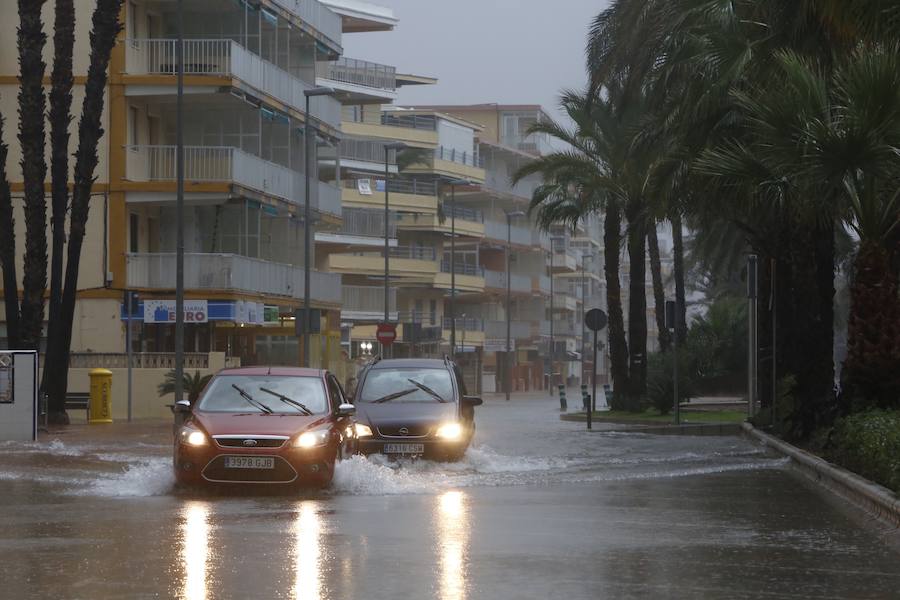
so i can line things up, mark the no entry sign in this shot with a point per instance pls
(386, 333)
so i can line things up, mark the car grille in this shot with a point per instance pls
(282, 473)
(410, 430)
(239, 442)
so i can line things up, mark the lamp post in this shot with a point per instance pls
(179, 208)
(509, 218)
(550, 353)
(584, 256)
(453, 183)
(306, 328)
(396, 146)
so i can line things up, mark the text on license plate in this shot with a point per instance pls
(249, 462)
(404, 448)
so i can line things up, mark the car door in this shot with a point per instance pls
(466, 411)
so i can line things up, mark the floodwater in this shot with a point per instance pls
(538, 508)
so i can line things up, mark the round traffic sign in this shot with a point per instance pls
(386, 333)
(595, 319)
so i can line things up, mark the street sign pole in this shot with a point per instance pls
(595, 319)
(593, 401)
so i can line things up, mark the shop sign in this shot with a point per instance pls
(163, 311)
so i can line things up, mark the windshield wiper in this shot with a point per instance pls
(390, 397)
(253, 402)
(427, 390)
(288, 400)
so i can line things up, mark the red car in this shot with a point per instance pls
(261, 425)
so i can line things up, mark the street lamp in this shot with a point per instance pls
(179, 208)
(453, 183)
(306, 328)
(397, 147)
(584, 256)
(509, 218)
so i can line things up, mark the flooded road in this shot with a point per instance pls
(538, 509)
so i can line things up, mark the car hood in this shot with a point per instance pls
(258, 424)
(406, 413)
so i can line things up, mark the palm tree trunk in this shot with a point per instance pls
(60, 117)
(678, 272)
(8, 251)
(32, 105)
(637, 306)
(618, 346)
(105, 28)
(659, 294)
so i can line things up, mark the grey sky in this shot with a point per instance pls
(506, 51)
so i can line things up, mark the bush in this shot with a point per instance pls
(660, 388)
(868, 443)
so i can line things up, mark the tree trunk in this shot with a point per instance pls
(678, 273)
(8, 251)
(32, 105)
(659, 294)
(60, 117)
(105, 28)
(618, 346)
(637, 306)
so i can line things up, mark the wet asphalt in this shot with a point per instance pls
(539, 508)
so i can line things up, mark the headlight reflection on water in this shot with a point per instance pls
(308, 553)
(451, 518)
(195, 550)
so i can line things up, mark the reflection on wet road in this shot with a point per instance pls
(537, 509)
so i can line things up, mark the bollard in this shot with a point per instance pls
(101, 396)
(562, 398)
(585, 397)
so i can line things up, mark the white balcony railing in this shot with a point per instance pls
(497, 279)
(359, 72)
(496, 230)
(228, 58)
(230, 272)
(316, 14)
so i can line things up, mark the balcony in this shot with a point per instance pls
(467, 223)
(469, 278)
(418, 131)
(316, 15)
(564, 302)
(225, 164)
(358, 78)
(227, 58)
(230, 273)
(367, 223)
(565, 328)
(416, 264)
(421, 122)
(517, 283)
(366, 303)
(564, 261)
(406, 195)
(497, 230)
(541, 285)
(464, 323)
(453, 163)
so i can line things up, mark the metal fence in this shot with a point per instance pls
(462, 268)
(414, 252)
(424, 122)
(463, 213)
(139, 360)
(361, 298)
(367, 223)
(462, 157)
(465, 323)
(366, 150)
(401, 186)
(319, 16)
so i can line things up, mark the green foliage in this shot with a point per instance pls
(192, 385)
(717, 340)
(868, 443)
(660, 378)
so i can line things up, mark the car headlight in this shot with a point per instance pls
(363, 430)
(193, 437)
(311, 439)
(450, 431)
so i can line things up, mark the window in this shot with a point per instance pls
(432, 309)
(334, 389)
(133, 233)
(270, 391)
(409, 385)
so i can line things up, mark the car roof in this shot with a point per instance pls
(406, 363)
(281, 371)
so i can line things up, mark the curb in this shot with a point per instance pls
(871, 497)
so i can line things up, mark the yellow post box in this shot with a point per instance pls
(101, 396)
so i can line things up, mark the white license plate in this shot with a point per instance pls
(249, 462)
(404, 448)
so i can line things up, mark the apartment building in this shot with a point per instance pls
(247, 67)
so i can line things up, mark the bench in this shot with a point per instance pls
(79, 401)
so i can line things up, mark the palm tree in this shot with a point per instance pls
(8, 250)
(32, 103)
(60, 117)
(192, 385)
(105, 28)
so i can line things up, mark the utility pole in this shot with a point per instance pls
(752, 265)
(179, 208)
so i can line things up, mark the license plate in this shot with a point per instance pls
(404, 448)
(249, 462)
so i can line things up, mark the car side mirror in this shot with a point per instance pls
(346, 410)
(472, 400)
(182, 407)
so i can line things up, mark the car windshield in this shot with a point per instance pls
(265, 394)
(407, 385)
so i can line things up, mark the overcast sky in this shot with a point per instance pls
(505, 51)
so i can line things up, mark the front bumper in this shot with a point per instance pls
(205, 465)
(432, 448)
